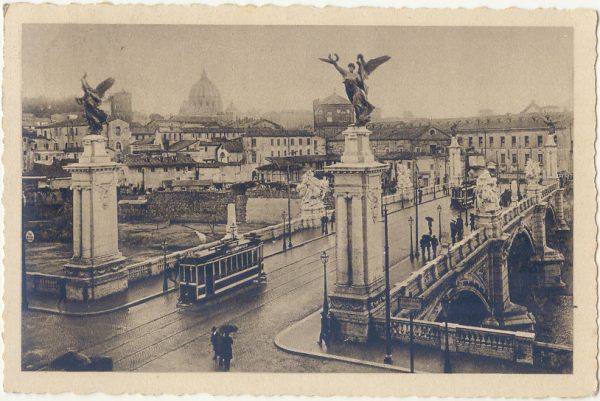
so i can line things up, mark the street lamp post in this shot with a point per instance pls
(439, 208)
(289, 208)
(447, 366)
(388, 330)
(164, 249)
(325, 313)
(284, 234)
(412, 254)
(416, 197)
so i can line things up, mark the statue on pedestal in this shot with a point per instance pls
(91, 101)
(312, 191)
(404, 182)
(356, 88)
(551, 124)
(532, 172)
(488, 193)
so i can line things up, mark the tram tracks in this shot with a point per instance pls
(153, 332)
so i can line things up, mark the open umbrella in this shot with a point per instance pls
(228, 328)
(430, 219)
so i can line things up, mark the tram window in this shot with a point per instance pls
(254, 257)
(215, 268)
(187, 274)
(194, 274)
(246, 260)
(228, 265)
(223, 272)
(238, 257)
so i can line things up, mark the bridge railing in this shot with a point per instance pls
(513, 346)
(406, 195)
(428, 279)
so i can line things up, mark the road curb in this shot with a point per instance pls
(320, 355)
(104, 311)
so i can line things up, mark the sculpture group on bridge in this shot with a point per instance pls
(488, 193)
(313, 191)
(532, 173)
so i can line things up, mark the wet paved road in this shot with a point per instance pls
(159, 336)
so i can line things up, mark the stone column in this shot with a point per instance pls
(454, 162)
(341, 221)
(86, 224)
(358, 291)
(76, 222)
(550, 160)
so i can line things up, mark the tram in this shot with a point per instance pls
(463, 197)
(216, 270)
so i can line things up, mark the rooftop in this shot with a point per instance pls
(179, 159)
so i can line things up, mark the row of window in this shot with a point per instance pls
(222, 268)
(514, 158)
(184, 169)
(292, 153)
(292, 142)
(513, 141)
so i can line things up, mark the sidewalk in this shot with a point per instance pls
(143, 290)
(301, 339)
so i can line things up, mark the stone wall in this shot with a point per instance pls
(258, 207)
(188, 206)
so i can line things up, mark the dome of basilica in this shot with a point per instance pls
(204, 99)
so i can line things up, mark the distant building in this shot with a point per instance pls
(204, 99)
(121, 106)
(332, 115)
(398, 138)
(150, 172)
(260, 144)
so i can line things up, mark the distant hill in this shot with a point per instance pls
(44, 107)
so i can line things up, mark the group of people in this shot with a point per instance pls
(324, 221)
(428, 242)
(222, 345)
(457, 227)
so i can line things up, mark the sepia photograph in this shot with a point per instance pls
(273, 198)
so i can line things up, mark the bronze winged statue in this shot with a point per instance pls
(550, 123)
(356, 87)
(91, 101)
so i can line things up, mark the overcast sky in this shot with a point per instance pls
(433, 71)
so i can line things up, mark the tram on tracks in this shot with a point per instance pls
(463, 197)
(219, 269)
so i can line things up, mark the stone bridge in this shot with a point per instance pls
(485, 276)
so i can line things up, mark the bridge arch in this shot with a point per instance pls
(468, 305)
(522, 274)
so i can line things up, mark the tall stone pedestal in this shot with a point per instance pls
(549, 261)
(550, 174)
(96, 268)
(359, 241)
(456, 172)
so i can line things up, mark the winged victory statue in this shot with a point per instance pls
(91, 101)
(356, 87)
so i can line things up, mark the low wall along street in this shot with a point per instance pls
(255, 207)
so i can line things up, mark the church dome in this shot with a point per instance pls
(204, 99)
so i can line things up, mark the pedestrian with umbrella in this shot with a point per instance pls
(429, 223)
(227, 344)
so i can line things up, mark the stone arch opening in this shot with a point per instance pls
(466, 307)
(522, 273)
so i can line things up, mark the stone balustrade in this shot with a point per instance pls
(513, 346)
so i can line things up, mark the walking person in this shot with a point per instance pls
(326, 224)
(62, 296)
(434, 245)
(472, 221)
(332, 220)
(459, 228)
(420, 196)
(453, 231)
(422, 245)
(214, 340)
(429, 224)
(323, 224)
(428, 245)
(226, 350)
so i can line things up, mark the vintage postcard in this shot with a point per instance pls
(297, 200)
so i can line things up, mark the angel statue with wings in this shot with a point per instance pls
(356, 87)
(91, 100)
